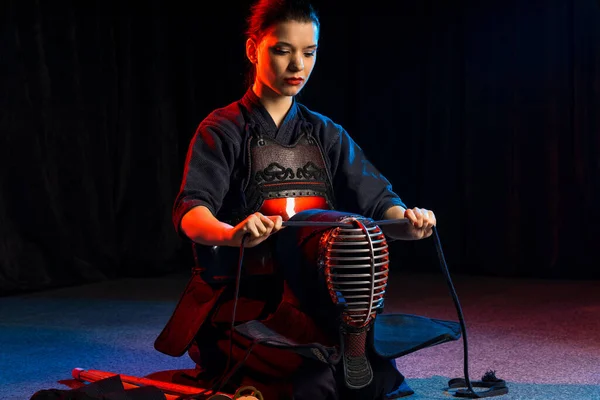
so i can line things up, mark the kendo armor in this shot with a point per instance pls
(336, 266)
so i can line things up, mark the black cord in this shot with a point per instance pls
(225, 377)
(228, 376)
(461, 319)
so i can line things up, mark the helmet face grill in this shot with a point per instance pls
(356, 265)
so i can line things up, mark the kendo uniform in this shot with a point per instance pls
(239, 163)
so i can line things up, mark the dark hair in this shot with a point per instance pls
(266, 13)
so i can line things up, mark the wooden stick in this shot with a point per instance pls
(132, 386)
(93, 375)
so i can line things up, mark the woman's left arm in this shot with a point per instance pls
(358, 185)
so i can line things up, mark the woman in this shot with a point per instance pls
(250, 166)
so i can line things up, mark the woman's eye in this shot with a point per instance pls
(311, 54)
(280, 51)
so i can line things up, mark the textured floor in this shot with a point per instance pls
(542, 337)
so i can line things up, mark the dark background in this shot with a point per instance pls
(485, 112)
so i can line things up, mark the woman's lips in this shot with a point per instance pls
(294, 81)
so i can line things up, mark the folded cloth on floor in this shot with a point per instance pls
(105, 389)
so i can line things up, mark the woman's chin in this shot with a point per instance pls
(290, 90)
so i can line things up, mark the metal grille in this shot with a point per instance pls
(356, 264)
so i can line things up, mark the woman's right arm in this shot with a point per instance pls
(202, 227)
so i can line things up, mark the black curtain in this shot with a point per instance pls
(485, 112)
(491, 110)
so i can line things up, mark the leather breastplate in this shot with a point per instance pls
(283, 180)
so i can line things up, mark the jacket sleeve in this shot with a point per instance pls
(358, 185)
(209, 164)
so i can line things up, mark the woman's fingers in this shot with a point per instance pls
(415, 216)
(421, 217)
(259, 225)
(431, 220)
(277, 222)
(251, 228)
(267, 224)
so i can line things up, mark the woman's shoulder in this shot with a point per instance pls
(329, 131)
(321, 123)
(228, 120)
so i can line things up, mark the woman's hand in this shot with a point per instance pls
(422, 223)
(419, 225)
(258, 226)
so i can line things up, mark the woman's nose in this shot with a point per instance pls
(297, 64)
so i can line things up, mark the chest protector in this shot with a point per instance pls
(284, 180)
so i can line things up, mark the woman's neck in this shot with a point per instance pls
(276, 105)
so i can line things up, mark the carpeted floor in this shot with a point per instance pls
(542, 337)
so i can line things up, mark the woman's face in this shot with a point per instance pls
(284, 58)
